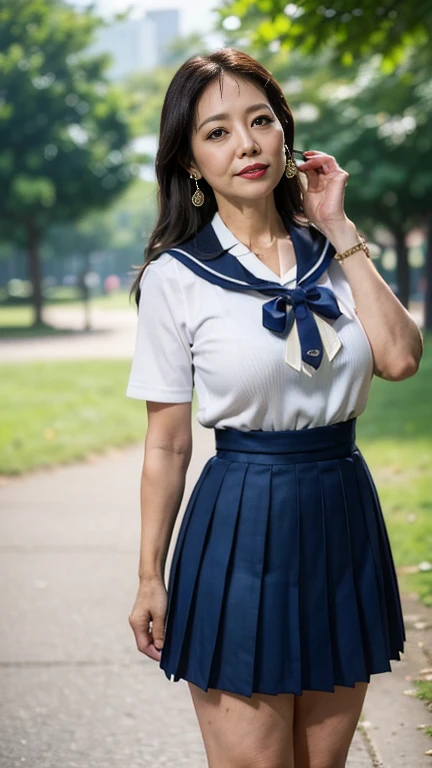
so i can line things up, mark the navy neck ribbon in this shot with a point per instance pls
(204, 255)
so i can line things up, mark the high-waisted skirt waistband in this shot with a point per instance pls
(290, 446)
(282, 578)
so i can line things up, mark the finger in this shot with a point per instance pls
(323, 163)
(141, 630)
(145, 644)
(316, 152)
(312, 179)
(143, 638)
(158, 632)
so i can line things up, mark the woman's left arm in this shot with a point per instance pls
(395, 339)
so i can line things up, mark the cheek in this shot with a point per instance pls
(215, 159)
(276, 149)
(276, 142)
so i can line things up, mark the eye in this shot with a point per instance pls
(266, 118)
(211, 135)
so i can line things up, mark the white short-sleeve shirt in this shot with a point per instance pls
(194, 334)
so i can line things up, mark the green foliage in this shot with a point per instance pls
(352, 29)
(378, 128)
(183, 47)
(376, 125)
(53, 413)
(148, 88)
(123, 228)
(424, 692)
(394, 434)
(64, 133)
(372, 111)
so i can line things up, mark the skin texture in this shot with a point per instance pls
(222, 147)
(313, 730)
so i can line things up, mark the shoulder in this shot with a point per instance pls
(166, 279)
(162, 271)
(159, 266)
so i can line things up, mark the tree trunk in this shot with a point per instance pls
(34, 269)
(428, 276)
(402, 268)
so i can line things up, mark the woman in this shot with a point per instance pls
(282, 597)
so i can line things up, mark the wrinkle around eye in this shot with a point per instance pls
(267, 119)
(211, 137)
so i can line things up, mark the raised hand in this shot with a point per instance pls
(323, 200)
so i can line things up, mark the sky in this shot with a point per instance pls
(195, 16)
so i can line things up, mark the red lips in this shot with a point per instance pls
(255, 167)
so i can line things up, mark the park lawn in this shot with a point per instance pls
(395, 437)
(424, 692)
(14, 318)
(57, 412)
(53, 413)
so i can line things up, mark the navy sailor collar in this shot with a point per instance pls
(313, 254)
(204, 255)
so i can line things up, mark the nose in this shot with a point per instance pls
(247, 145)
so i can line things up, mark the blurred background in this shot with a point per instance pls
(81, 90)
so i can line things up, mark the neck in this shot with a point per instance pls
(257, 222)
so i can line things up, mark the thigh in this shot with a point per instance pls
(243, 732)
(324, 725)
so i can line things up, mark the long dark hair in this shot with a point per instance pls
(179, 220)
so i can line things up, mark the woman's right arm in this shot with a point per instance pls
(168, 450)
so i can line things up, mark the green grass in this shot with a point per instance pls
(53, 413)
(395, 437)
(56, 412)
(424, 692)
(17, 319)
(33, 331)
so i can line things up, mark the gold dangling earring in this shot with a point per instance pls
(290, 166)
(198, 196)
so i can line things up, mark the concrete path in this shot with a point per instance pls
(76, 693)
(112, 336)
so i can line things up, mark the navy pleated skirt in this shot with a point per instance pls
(282, 577)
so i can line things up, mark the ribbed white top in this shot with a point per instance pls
(192, 333)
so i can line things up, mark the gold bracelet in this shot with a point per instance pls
(361, 246)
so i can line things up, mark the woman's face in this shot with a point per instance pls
(235, 129)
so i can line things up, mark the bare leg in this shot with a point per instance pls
(324, 725)
(243, 732)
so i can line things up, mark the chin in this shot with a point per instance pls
(257, 191)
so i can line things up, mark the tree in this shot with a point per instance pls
(395, 36)
(378, 128)
(120, 232)
(148, 88)
(351, 29)
(64, 129)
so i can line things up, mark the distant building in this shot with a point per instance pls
(167, 28)
(137, 44)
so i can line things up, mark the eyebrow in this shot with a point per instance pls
(225, 115)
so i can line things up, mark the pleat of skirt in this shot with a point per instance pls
(282, 577)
